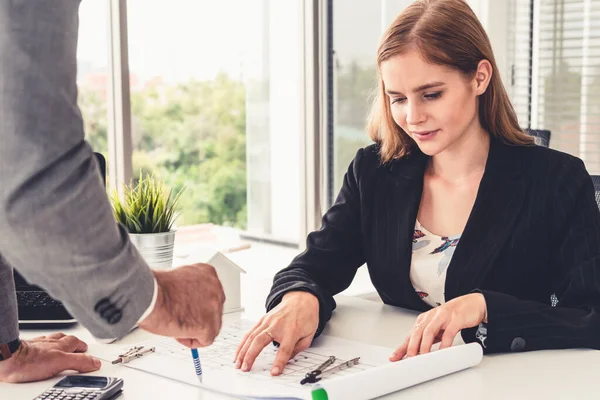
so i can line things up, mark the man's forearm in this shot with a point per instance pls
(57, 224)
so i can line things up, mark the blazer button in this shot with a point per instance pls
(108, 311)
(518, 344)
(115, 317)
(102, 306)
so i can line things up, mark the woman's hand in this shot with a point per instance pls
(442, 324)
(47, 356)
(293, 324)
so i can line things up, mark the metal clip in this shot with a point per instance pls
(133, 353)
(339, 368)
(311, 377)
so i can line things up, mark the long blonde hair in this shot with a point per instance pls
(445, 32)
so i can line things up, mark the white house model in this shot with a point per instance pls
(229, 275)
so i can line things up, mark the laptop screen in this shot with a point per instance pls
(20, 282)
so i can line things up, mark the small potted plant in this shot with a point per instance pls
(147, 210)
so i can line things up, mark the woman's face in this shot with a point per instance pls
(435, 105)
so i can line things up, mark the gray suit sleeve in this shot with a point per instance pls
(9, 326)
(57, 225)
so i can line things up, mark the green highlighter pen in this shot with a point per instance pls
(318, 393)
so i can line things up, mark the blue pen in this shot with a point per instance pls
(197, 365)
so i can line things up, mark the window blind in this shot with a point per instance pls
(566, 96)
(519, 53)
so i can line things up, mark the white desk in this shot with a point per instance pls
(566, 374)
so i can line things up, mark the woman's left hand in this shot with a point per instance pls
(443, 323)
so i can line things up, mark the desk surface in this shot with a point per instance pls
(560, 374)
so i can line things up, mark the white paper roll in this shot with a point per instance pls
(399, 375)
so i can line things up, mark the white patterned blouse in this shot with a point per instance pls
(431, 255)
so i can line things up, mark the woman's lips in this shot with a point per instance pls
(425, 135)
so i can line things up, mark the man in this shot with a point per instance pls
(57, 226)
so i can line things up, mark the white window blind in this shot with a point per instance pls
(566, 94)
(519, 53)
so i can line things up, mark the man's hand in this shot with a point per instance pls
(189, 305)
(293, 324)
(46, 356)
(442, 324)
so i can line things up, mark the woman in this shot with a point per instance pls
(455, 211)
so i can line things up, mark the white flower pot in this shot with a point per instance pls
(156, 248)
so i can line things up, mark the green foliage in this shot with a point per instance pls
(148, 207)
(356, 88)
(190, 135)
(193, 135)
(94, 112)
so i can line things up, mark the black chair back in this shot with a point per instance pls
(102, 166)
(542, 136)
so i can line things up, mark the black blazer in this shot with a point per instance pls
(533, 236)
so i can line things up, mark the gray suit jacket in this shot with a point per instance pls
(57, 226)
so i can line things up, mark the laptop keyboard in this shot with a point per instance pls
(36, 299)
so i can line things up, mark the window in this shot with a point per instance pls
(568, 84)
(519, 53)
(356, 34)
(92, 72)
(555, 72)
(215, 109)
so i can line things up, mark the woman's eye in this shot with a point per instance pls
(428, 96)
(433, 96)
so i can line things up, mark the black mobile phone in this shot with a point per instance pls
(84, 387)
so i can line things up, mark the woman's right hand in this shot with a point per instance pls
(293, 324)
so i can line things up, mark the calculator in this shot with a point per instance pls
(84, 387)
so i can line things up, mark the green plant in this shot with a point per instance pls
(147, 207)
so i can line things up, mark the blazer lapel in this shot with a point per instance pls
(402, 202)
(495, 211)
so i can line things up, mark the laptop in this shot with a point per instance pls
(36, 308)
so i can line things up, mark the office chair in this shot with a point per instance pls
(102, 165)
(596, 181)
(542, 136)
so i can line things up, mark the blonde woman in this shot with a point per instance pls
(454, 210)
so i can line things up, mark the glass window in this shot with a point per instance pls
(568, 70)
(215, 109)
(356, 34)
(554, 72)
(92, 72)
(519, 48)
